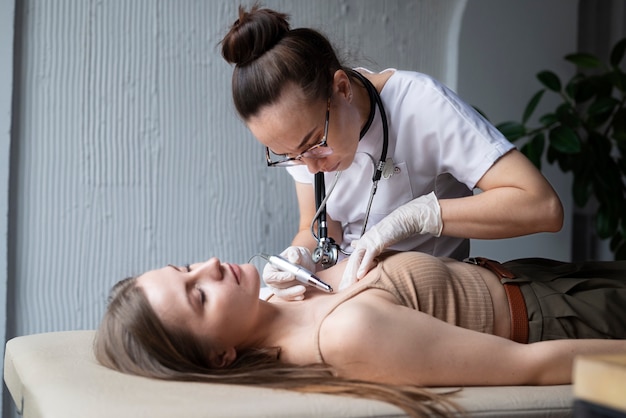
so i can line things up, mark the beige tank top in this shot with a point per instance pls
(444, 288)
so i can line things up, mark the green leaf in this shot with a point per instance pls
(550, 80)
(619, 125)
(565, 140)
(533, 149)
(581, 193)
(603, 84)
(566, 162)
(600, 112)
(617, 53)
(530, 107)
(567, 115)
(571, 87)
(600, 146)
(606, 223)
(602, 105)
(584, 60)
(581, 190)
(512, 130)
(581, 89)
(548, 119)
(606, 186)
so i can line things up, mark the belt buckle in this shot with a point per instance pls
(474, 260)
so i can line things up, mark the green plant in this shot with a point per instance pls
(586, 135)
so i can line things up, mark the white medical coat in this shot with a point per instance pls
(437, 143)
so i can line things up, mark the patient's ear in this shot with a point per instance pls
(223, 358)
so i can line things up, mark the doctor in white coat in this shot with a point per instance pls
(432, 150)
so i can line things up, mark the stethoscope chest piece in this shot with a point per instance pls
(326, 255)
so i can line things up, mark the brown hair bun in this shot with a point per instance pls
(253, 33)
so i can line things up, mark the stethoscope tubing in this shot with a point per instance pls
(320, 213)
(322, 204)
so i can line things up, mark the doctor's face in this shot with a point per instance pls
(212, 299)
(292, 126)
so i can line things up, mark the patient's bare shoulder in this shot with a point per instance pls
(343, 332)
(349, 332)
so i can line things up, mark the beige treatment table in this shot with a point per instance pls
(55, 375)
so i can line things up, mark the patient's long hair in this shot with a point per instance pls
(131, 339)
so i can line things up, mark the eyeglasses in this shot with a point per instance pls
(317, 151)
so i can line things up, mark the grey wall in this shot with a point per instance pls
(7, 14)
(126, 152)
(129, 153)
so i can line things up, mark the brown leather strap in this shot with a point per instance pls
(517, 305)
(519, 315)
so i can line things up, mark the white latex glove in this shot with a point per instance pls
(284, 285)
(419, 216)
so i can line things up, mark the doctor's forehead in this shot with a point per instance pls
(291, 129)
(291, 105)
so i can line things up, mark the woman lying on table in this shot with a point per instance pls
(413, 321)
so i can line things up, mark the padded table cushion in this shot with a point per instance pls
(55, 375)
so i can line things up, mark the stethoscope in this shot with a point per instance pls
(327, 251)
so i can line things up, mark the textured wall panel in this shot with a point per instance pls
(130, 152)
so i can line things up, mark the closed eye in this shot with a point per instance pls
(186, 268)
(202, 295)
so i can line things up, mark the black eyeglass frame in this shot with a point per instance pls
(297, 160)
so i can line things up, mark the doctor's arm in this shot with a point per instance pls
(516, 200)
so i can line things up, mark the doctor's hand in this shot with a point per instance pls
(419, 216)
(284, 285)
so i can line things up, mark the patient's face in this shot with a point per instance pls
(210, 300)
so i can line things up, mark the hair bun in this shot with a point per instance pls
(254, 33)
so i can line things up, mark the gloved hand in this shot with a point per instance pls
(419, 216)
(284, 285)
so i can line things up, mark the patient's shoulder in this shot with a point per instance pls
(351, 325)
(355, 337)
(343, 331)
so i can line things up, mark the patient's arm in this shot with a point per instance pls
(379, 341)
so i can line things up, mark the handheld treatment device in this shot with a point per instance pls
(302, 275)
